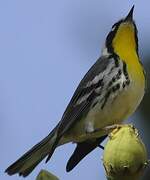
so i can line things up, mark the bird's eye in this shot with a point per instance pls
(113, 28)
(116, 25)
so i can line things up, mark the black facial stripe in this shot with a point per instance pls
(117, 24)
(136, 38)
(111, 36)
(116, 59)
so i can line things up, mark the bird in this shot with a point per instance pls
(108, 94)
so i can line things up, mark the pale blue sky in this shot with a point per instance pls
(45, 49)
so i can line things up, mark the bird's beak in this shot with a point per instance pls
(129, 17)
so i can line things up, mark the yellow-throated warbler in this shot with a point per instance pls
(108, 94)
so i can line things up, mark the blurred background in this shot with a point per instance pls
(45, 49)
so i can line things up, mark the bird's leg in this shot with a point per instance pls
(101, 147)
(109, 129)
(96, 133)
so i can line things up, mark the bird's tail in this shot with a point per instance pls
(25, 165)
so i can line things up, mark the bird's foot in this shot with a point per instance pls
(103, 131)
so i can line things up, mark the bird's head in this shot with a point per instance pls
(123, 36)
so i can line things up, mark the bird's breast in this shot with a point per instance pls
(120, 103)
(113, 104)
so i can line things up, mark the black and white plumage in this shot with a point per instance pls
(104, 78)
(108, 94)
(97, 86)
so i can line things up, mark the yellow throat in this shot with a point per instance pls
(125, 46)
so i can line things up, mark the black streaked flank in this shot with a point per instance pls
(123, 85)
(116, 77)
(106, 98)
(119, 72)
(125, 69)
(126, 73)
(116, 87)
(111, 91)
(128, 82)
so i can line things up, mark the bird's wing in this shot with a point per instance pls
(84, 94)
